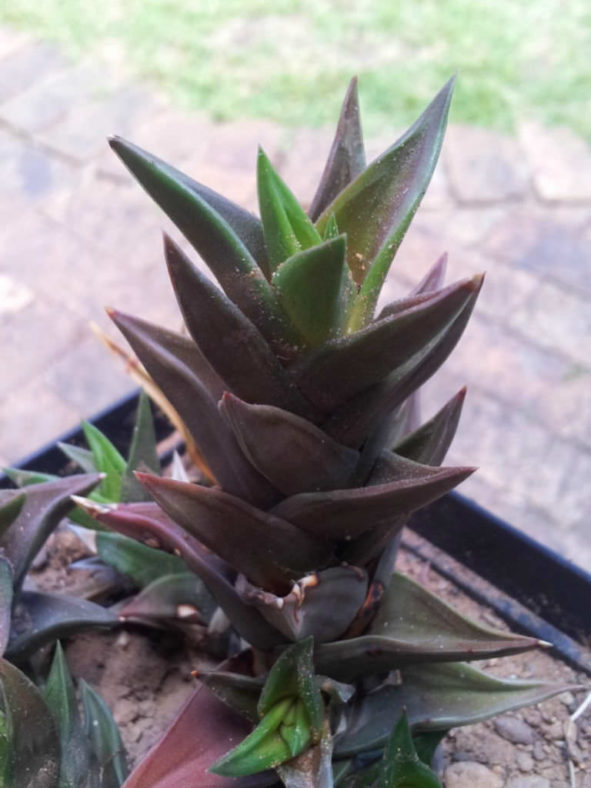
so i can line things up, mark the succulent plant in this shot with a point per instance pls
(30, 619)
(166, 586)
(46, 743)
(302, 403)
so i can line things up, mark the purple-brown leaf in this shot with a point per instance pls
(313, 462)
(267, 549)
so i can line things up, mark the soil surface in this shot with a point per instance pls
(145, 676)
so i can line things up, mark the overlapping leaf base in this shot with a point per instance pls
(302, 404)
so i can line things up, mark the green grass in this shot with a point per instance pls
(289, 60)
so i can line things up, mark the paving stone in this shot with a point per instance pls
(558, 320)
(31, 339)
(31, 417)
(22, 66)
(29, 177)
(507, 445)
(524, 377)
(82, 134)
(87, 378)
(484, 166)
(48, 100)
(545, 245)
(575, 491)
(560, 162)
(170, 134)
(111, 218)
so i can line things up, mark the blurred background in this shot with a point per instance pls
(202, 85)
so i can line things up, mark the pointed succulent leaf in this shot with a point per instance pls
(429, 443)
(293, 675)
(346, 159)
(264, 748)
(149, 524)
(439, 697)
(34, 741)
(315, 289)
(106, 459)
(331, 230)
(345, 514)
(245, 224)
(59, 694)
(23, 478)
(434, 278)
(165, 356)
(432, 281)
(342, 368)
(5, 601)
(413, 626)
(44, 617)
(44, 506)
(208, 231)
(232, 344)
(240, 692)
(353, 422)
(436, 697)
(103, 733)
(287, 228)
(172, 597)
(143, 454)
(322, 604)
(11, 504)
(80, 456)
(181, 758)
(268, 550)
(376, 209)
(141, 563)
(312, 767)
(426, 744)
(314, 461)
(401, 766)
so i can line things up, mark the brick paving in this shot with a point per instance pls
(77, 234)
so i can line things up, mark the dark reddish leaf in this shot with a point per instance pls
(342, 368)
(183, 385)
(313, 462)
(204, 730)
(346, 159)
(149, 524)
(345, 514)
(44, 506)
(268, 550)
(430, 442)
(232, 344)
(322, 604)
(353, 422)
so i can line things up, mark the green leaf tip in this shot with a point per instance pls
(376, 208)
(401, 766)
(292, 716)
(286, 227)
